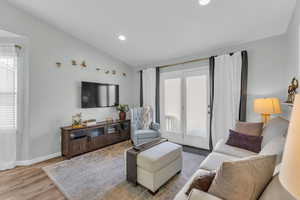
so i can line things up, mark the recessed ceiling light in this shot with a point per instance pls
(122, 37)
(204, 2)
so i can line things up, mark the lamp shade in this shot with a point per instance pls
(267, 106)
(290, 168)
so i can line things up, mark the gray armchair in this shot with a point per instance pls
(141, 135)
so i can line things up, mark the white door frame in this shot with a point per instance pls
(181, 137)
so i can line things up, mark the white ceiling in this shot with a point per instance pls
(160, 30)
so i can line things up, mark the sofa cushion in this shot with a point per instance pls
(181, 194)
(146, 133)
(249, 128)
(275, 191)
(200, 195)
(222, 147)
(274, 128)
(243, 141)
(244, 179)
(214, 160)
(274, 147)
(158, 156)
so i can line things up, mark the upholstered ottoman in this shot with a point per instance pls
(155, 166)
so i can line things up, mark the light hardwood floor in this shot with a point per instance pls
(29, 183)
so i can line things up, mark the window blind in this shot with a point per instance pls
(8, 87)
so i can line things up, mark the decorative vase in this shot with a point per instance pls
(122, 115)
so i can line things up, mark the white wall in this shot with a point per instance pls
(293, 67)
(266, 71)
(54, 92)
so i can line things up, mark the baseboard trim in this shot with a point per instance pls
(7, 166)
(37, 160)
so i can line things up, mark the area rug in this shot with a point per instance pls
(100, 175)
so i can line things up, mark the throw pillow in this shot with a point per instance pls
(146, 118)
(274, 147)
(249, 128)
(201, 182)
(274, 128)
(244, 179)
(243, 141)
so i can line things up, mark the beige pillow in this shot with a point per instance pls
(249, 128)
(244, 179)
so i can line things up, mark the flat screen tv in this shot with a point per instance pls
(97, 95)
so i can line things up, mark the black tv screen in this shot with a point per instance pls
(96, 95)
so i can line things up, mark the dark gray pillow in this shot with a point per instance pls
(243, 141)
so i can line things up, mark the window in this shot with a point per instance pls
(8, 87)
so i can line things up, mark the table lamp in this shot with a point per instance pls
(266, 107)
(290, 169)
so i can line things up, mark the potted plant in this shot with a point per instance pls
(122, 108)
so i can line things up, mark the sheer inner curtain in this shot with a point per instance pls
(149, 89)
(227, 94)
(8, 105)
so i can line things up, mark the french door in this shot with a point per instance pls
(185, 107)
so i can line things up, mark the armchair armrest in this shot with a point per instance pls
(133, 129)
(155, 126)
(200, 195)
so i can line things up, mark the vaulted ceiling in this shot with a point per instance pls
(160, 30)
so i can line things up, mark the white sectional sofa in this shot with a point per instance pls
(273, 143)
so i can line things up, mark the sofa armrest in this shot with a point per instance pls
(155, 126)
(200, 195)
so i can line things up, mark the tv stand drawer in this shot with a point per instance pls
(78, 145)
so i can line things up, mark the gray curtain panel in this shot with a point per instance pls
(244, 85)
(211, 84)
(157, 96)
(141, 89)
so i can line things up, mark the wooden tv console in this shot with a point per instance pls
(76, 141)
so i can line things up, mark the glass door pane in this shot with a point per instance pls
(172, 105)
(196, 106)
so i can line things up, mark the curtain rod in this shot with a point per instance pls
(186, 62)
(190, 61)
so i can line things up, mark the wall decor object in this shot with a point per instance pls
(98, 69)
(114, 72)
(58, 64)
(83, 64)
(74, 63)
(124, 74)
(292, 90)
(107, 72)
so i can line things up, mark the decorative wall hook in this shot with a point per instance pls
(107, 72)
(114, 72)
(74, 63)
(124, 74)
(98, 69)
(58, 64)
(83, 64)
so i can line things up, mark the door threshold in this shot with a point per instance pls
(196, 150)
